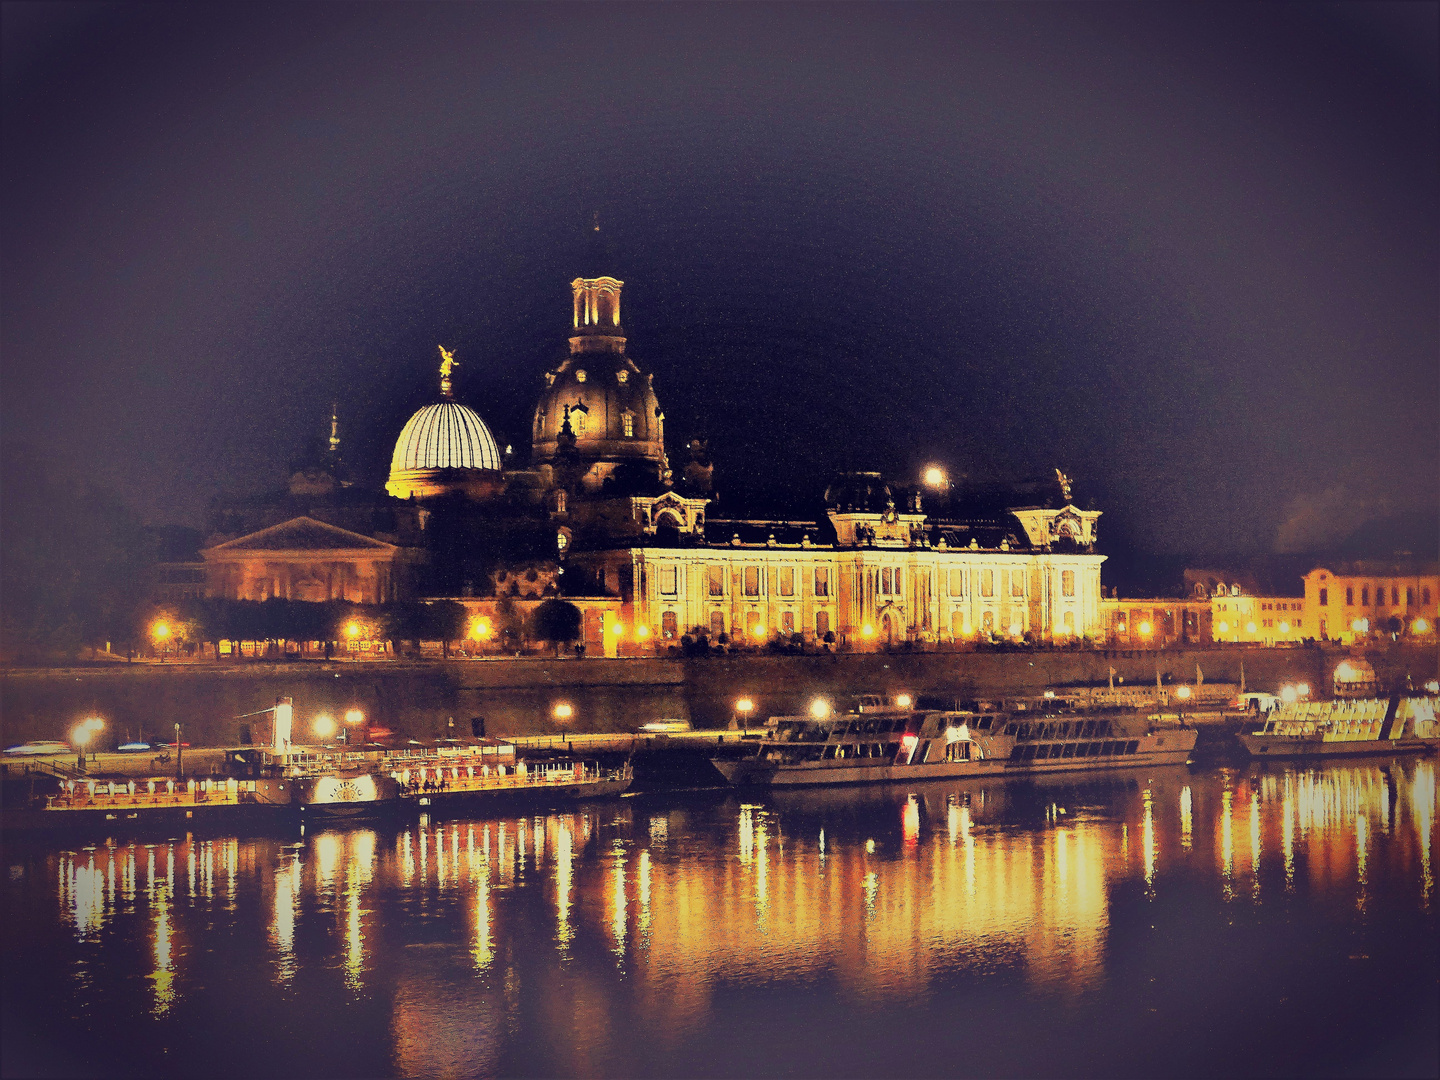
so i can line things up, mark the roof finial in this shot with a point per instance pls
(448, 363)
(1065, 483)
(334, 428)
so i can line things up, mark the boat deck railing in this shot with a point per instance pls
(102, 795)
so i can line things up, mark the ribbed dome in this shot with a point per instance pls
(445, 435)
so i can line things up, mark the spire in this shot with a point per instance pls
(334, 428)
(448, 363)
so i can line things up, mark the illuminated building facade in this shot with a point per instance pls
(1352, 601)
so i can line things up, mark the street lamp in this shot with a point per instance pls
(935, 478)
(903, 701)
(480, 628)
(161, 633)
(324, 726)
(744, 707)
(867, 631)
(819, 708)
(179, 754)
(1183, 693)
(80, 736)
(1420, 626)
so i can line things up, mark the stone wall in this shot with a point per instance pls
(518, 696)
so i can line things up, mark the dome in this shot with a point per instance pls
(445, 447)
(614, 414)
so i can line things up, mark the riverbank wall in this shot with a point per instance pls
(518, 696)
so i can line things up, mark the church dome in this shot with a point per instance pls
(446, 435)
(444, 448)
(613, 412)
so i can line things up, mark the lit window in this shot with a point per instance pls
(1017, 583)
(669, 625)
(668, 580)
(629, 425)
(787, 622)
(822, 623)
(787, 581)
(822, 581)
(957, 582)
(987, 582)
(717, 623)
(1067, 583)
(1324, 597)
(752, 581)
(715, 580)
(580, 375)
(622, 376)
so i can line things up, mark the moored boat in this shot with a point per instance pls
(1347, 727)
(883, 745)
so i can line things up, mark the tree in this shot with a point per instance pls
(443, 621)
(556, 621)
(508, 630)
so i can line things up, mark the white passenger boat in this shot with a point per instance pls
(879, 745)
(1347, 727)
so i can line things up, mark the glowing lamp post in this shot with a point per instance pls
(81, 737)
(1183, 693)
(161, 633)
(480, 629)
(744, 707)
(324, 726)
(819, 708)
(1420, 626)
(935, 478)
(903, 701)
(563, 712)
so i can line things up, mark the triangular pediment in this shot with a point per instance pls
(302, 534)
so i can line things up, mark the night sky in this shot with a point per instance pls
(1188, 253)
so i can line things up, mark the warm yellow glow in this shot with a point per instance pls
(1360, 626)
(1249, 627)
(1284, 628)
(867, 630)
(324, 726)
(161, 630)
(354, 716)
(1014, 629)
(1183, 693)
(480, 628)
(1421, 626)
(935, 477)
(744, 705)
(618, 629)
(81, 735)
(93, 723)
(1223, 627)
(1146, 629)
(1345, 671)
(1303, 689)
(564, 711)
(1288, 694)
(904, 701)
(642, 631)
(352, 630)
(819, 708)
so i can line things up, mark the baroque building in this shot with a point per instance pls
(652, 554)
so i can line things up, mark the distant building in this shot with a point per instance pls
(1350, 601)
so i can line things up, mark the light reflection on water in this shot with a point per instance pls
(476, 946)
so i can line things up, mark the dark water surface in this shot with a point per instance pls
(1218, 922)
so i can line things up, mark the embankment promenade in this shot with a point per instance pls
(517, 696)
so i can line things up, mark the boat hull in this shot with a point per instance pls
(750, 771)
(1314, 746)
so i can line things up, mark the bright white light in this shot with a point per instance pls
(819, 708)
(324, 726)
(1249, 627)
(1223, 627)
(354, 716)
(1420, 626)
(564, 711)
(935, 477)
(903, 701)
(1288, 694)
(1303, 689)
(867, 630)
(1284, 628)
(744, 705)
(1183, 693)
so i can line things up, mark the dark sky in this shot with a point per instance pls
(1188, 253)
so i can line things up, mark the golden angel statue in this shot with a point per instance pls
(1065, 483)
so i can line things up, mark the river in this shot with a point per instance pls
(1173, 921)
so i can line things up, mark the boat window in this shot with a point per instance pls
(983, 724)
(1042, 751)
(1017, 753)
(1132, 746)
(1010, 729)
(1069, 750)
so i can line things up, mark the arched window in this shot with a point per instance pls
(669, 625)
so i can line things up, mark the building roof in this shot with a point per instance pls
(445, 435)
(300, 534)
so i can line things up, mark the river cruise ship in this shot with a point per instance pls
(879, 744)
(1393, 725)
